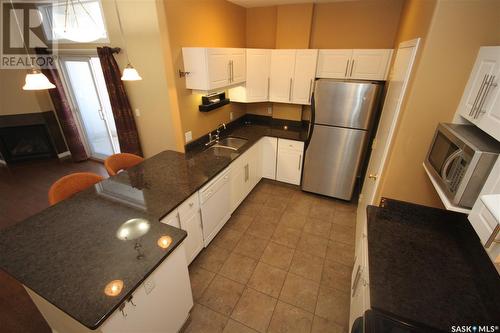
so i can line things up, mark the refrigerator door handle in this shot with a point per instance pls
(311, 123)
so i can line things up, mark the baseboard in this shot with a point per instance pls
(64, 155)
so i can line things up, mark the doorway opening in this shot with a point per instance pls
(89, 96)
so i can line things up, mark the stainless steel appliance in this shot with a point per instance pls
(342, 115)
(460, 159)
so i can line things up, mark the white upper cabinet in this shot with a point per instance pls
(213, 68)
(303, 79)
(282, 71)
(256, 88)
(370, 64)
(361, 64)
(292, 73)
(333, 64)
(480, 103)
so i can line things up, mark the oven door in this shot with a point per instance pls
(447, 160)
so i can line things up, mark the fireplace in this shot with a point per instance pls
(19, 143)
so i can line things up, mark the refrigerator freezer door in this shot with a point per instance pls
(332, 161)
(345, 104)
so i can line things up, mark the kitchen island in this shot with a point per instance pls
(102, 260)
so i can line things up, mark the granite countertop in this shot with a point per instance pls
(427, 266)
(70, 251)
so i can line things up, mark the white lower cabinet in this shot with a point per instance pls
(190, 221)
(289, 161)
(269, 149)
(360, 290)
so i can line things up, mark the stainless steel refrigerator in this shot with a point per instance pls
(341, 118)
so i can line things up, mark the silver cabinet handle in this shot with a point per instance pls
(247, 173)
(310, 90)
(290, 91)
(491, 239)
(346, 67)
(352, 66)
(477, 96)
(488, 86)
(232, 71)
(356, 280)
(268, 86)
(229, 71)
(300, 160)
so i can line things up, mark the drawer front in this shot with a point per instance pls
(172, 219)
(290, 144)
(189, 207)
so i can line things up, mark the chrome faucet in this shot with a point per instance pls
(215, 138)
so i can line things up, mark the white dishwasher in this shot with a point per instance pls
(215, 205)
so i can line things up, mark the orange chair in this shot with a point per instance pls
(121, 161)
(71, 184)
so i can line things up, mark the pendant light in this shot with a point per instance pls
(129, 72)
(35, 79)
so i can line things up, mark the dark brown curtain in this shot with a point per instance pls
(64, 114)
(122, 112)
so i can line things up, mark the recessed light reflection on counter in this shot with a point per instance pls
(164, 242)
(114, 288)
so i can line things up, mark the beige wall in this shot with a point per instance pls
(261, 27)
(355, 24)
(209, 23)
(15, 100)
(457, 31)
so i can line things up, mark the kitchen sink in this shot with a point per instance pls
(230, 143)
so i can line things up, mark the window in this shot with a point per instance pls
(75, 21)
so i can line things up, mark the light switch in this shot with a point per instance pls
(188, 136)
(137, 112)
(269, 110)
(231, 115)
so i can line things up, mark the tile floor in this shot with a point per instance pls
(282, 263)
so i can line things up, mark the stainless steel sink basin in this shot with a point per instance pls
(230, 143)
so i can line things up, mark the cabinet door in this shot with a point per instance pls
(359, 291)
(486, 61)
(370, 64)
(333, 64)
(237, 175)
(487, 110)
(258, 66)
(269, 152)
(218, 67)
(305, 69)
(281, 78)
(194, 241)
(289, 166)
(238, 65)
(255, 165)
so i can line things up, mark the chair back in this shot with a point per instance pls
(71, 184)
(122, 161)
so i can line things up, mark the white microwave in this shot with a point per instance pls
(460, 159)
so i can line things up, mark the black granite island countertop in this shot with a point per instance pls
(70, 251)
(427, 266)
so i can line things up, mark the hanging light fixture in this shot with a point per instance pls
(35, 79)
(129, 72)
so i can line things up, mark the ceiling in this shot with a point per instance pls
(264, 3)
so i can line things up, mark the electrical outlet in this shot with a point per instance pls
(188, 136)
(231, 115)
(137, 112)
(269, 110)
(149, 285)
